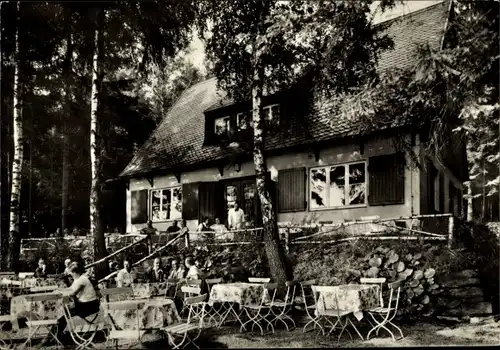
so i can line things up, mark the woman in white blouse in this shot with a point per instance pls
(86, 301)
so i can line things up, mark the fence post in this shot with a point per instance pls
(186, 238)
(287, 239)
(450, 231)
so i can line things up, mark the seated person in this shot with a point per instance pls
(41, 270)
(218, 227)
(86, 302)
(155, 273)
(174, 227)
(67, 264)
(205, 229)
(124, 277)
(177, 271)
(149, 229)
(193, 273)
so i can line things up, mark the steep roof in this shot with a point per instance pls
(178, 140)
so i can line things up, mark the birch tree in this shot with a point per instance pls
(14, 238)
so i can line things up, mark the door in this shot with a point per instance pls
(245, 193)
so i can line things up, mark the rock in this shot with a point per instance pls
(455, 283)
(483, 308)
(449, 319)
(454, 304)
(466, 292)
(464, 274)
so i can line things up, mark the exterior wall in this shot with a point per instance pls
(328, 156)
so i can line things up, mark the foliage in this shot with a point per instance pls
(451, 92)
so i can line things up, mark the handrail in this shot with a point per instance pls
(169, 243)
(116, 253)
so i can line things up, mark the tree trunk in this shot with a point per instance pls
(14, 235)
(277, 259)
(96, 230)
(65, 152)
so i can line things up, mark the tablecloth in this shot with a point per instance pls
(240, 293)
(21, 307)
(153, 314)
(150, 290)
(41, 282)
(351, 297)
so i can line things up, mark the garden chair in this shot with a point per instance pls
(336, 313)
(383, 315)
(379, 281)
(83, 332)
(118, 334)
(171, 282)
(178, 334)
(217, 310)
(259, 280)
(258, 312)
(190, 292)
(280, 310)
(307, 296)
(5, 338)
(35, 325)
(119, 294)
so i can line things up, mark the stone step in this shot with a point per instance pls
(465, 292)
(456, 283)
(478, 309)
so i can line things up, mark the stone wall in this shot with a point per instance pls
(461, 296)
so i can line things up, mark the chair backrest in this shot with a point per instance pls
(196, 299)
(126, 305)
(190, 291)
(211, 281)
(259, 279)
(290, 291)
(171, 281)
(394, 287)
(194, 282)
(380, 281)
(26, 274)
(43, 297)
(308, 293)
(270, 289)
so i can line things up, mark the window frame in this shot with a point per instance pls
(346, 186)
(228, 124)
(150, 203)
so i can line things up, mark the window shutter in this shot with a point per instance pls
(190, 201)
(431, 173)
(139, 207)
(386, 179)
(291, 190)
(441, 192)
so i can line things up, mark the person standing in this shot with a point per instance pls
(235, 217)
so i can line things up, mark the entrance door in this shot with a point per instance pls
(245, 193)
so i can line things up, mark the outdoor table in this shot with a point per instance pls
(150, 290)
(22, 307)
(42, 282)
(236, 294)
(351, 297)
(153, 314)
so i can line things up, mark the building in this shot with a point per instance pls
(322, 169)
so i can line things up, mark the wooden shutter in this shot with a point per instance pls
(139, 207)
(190, 201)
(431, 173)
(208, 201)
(291, 190)
(441, 192)
(386, 179)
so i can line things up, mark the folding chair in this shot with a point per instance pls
(281, 309)
(171, 282)
(218, 310)
(178, 333)
(259, 280)
(194, 283)
(310, 308)
(118, 334)
(5, 338)
(189, 292)
(386, 314)
(83, 332)
(335, 313)
(117, 294)
(35, 325)
(379, 281)
(259, 312)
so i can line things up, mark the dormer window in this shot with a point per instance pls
(222, 125)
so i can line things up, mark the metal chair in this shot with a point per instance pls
(178, 334)
(307, 295)
(379, 281)
(118, 334)
(383, 316)
(281, 309)
(259, 312)
(259, 279)
(217, 310)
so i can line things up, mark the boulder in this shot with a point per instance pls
(465, 292)
(456, 283)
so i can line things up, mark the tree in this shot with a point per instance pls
(18, 153)
(452, 93)
(258, 46)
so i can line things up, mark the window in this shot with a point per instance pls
(272, 114)
(338, 186)
(244, 120)
(222, 125)
(166, 204)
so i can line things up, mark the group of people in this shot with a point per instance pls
(189, 270)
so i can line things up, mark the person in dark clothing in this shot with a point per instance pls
(149, 229)
(174, 227)
(155, 273)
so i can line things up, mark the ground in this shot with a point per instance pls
(417, 334)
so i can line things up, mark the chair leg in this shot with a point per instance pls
(399, 329)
